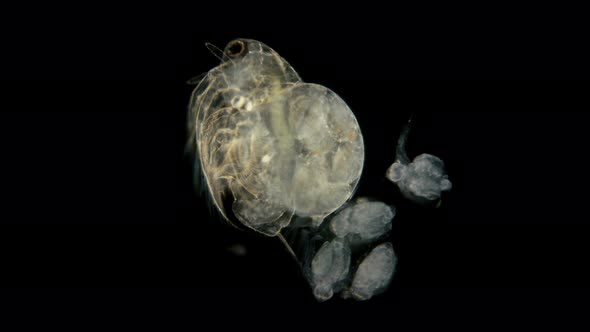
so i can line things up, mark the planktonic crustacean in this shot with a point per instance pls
(281, 156)
(270, 146)
(422, 180)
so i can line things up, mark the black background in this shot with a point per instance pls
(100, 219)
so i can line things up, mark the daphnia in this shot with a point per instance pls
(271, 146)
(279, 156)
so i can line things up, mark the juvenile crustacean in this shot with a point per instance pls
(270, 146)
(422, 180)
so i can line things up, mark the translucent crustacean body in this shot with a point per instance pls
(422, 180)
(269, 145)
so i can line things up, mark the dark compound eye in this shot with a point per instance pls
(236, 49)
